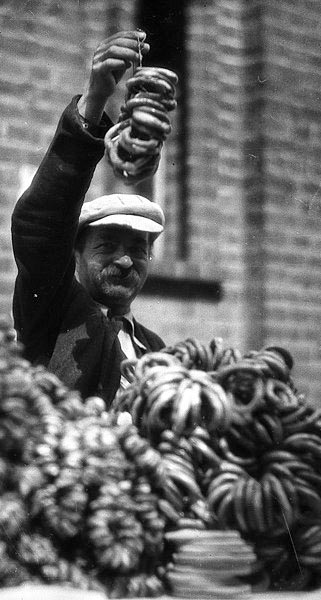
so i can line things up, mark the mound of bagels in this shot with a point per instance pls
(203, 481)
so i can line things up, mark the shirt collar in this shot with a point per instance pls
(129, 321)
(128, 317)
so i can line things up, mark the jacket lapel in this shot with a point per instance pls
(86, 347)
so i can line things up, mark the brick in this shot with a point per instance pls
(23, 132)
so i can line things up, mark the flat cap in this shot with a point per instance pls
(123, 210)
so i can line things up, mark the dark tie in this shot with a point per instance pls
(121, 323)
(117, 322)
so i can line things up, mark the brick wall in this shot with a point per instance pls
(292, 126)
(253, 159)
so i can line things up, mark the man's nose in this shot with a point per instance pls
(123, 261)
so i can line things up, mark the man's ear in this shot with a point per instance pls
(77, 262)
(150, 247)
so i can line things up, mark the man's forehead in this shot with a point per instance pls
(114, 232)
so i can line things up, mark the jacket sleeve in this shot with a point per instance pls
(44, 227)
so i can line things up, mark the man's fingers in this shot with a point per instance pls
(128, 52)
(115, 60)
(114, 66)
(116, 52)
(111, 60)
(116, 43)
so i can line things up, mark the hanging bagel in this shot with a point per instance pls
(133, 145)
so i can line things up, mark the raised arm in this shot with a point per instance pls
(45, 218)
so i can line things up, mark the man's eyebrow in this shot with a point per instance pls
(140, 238)
(115, 236)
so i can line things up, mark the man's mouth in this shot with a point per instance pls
(122, 277)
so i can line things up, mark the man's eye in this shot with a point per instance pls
(110, 246)
(139, 251)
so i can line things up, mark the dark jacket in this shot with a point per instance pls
(57, 321)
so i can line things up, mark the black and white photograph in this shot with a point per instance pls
(160, 299)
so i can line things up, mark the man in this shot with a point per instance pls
(80, 266)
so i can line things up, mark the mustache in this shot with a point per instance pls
(115, 272)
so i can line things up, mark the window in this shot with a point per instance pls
(165, 25)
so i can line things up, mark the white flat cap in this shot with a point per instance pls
(123, 210)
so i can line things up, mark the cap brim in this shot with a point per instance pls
(130, 222)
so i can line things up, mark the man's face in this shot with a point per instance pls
(112, 264)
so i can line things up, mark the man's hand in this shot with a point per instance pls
(111, 60)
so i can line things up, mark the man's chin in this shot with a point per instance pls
(119, 295)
